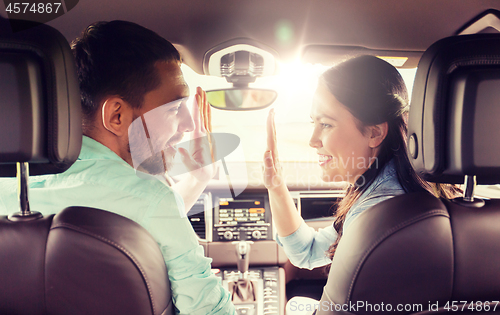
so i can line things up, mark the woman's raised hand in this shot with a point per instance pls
(273, 178)
(285, 215)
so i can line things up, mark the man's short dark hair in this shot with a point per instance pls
(118, 58)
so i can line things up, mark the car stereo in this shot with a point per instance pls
(246, 217)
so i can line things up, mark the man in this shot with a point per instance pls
(125, 72)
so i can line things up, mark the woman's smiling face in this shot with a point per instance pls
(344, 152)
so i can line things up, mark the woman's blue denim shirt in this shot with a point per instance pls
(306, 248)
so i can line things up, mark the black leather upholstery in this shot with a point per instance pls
(398, 252)
(22, 257)
(82, 260)
(454, 112)
(477, 251)
(41, 112)
(415, 249)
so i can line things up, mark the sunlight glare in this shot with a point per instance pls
(295, 84)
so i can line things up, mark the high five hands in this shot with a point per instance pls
(200, 160)
(273, 177)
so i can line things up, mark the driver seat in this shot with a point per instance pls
(81, 260)
(414, 253)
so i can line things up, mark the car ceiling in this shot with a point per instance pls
(198, 25)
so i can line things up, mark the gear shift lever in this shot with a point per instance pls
(243, 289)
(243, 257)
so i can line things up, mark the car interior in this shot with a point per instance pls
(56, 265)
(415, 251)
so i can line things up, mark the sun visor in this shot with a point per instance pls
(332, 54)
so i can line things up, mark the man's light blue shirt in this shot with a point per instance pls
(101, 179)
(306, 247)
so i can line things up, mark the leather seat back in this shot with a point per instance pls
(476, 251)
(392, 256)
(81, 261)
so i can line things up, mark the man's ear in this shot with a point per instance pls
(377, 134)
(116, 116)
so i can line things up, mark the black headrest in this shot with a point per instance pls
(40, 113)
(455, 110)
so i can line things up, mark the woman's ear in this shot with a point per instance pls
(377, 134)
(116, 116)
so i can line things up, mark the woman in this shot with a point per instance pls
(358, 113)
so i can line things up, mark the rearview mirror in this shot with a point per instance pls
(241, 98)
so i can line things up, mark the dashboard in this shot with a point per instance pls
(220, 220)
(243, 218)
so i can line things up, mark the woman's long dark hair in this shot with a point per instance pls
(374, 92)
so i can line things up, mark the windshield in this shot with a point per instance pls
(295, 84)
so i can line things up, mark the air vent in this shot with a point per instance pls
(316, 208)
(318, 204)
(197, 217)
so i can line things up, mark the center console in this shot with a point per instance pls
(254, 291)
(267, 290)
(233, 227)
(247, 218)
